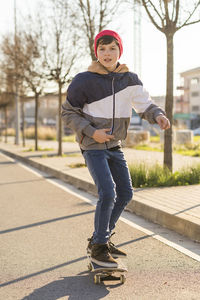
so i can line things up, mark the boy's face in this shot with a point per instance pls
(108, 55)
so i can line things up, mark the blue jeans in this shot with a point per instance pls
(110, 173)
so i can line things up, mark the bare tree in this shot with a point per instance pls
(169, 16)
(29, 70)
(6, 93)
(95, 15)
(32, 72)
(23, 91)
(4, 103)
(61, 53)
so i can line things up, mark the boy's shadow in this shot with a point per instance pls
(75, 287)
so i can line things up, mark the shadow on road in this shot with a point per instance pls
(46, 222)
(21, 181)
(7, 163)
(136, 240)
(184, 210)
(74, 287)
(43, 271)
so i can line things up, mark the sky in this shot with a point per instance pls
(153, 50)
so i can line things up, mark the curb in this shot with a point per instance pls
(154, 214)
(180, 225)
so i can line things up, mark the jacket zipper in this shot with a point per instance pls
(113, 117)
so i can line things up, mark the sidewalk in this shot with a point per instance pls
(177, 208)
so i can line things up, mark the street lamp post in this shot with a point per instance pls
(17, 109)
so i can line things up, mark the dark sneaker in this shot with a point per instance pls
(114, 251)
(101, 256)
(89, 247)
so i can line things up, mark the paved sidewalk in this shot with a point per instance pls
(177, 208)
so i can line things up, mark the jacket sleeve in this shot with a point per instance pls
(143, 104)
(72, 109)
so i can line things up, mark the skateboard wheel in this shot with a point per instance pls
(122, 278)
(89, 267)
(97, 279)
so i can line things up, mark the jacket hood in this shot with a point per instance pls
(96, 67)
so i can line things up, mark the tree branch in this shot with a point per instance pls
(190, 15)
(69, 68)
(166, 12)
(156, 10)
(194, 22)
(177, 11)
(173, 11)
(150, 16)
(161, 8)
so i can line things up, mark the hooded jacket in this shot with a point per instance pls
(97, 99)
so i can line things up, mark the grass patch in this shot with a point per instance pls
(69, 155)
(156, 176)
(77, 165)
(148, 148)
(32, 149)
(155, 139)
(189, 152)
(188, 149)
(69, 138)
(73, 155)
(197, 138)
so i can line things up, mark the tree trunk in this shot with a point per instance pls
(17, 116)
(6, 124)
(169, 103)
(59, 119)
(91, 45)
(23, 125)
(36, 121)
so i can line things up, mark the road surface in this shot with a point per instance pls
(44, 231)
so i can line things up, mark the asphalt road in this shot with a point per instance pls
(44, 231)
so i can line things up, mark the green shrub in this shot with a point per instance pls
(154, 176)
(138, 174)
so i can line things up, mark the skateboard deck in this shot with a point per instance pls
(107, 273)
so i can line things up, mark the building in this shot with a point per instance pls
(48, 109)
(159, 100)
(187, 106)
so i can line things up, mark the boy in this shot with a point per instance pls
(98, 108)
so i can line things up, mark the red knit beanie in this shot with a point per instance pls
(111, 33)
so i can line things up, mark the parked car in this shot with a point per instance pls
(196, 131)
(135, 122)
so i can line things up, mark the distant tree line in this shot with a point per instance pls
(47, 49)
(50, 46)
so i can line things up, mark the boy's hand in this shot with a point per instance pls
(163, 122)
(100, 135)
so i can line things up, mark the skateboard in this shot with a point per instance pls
(106, 273)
